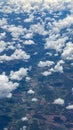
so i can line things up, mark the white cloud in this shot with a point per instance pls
(2, 35)
(56, 43)
(3, 22)
(30, 91)
(68, 52)
(2, 46)
(58, 67)
(27, 79)
(69, 107)
(46, 73)
(45, 63)
(59, 101)
(28, 42)
(66, 22)
(24, 118)
(29, 35)
(18, 75)
(16, 31)
(18, 54)
(30, 19)
(39, 1)
(38, 28)
(9, 95)
(6, 86)
(49, 53)
(34, 99)
(25, 6)
(6, 46)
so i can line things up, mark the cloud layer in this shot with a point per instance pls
(40, 28)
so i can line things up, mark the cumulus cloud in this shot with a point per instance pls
(9, 95)
(2, 46)
(27, 79)
(16, 31)
(30, 19)
(6, 86)
(24, 118)
(59, 101)
(34, 99)
(18, 75)
(3, 22)
(46, 73)
(29, 42)
(39, 1)
(6, 45)
(38, 28)
(68, 52)
(18, 54)
(58, 67)
(66, 22)
(56, 43)
(69, 107)
(45, 63)
(2, 35)
(30, 91)
(24, 5)
(28, 35)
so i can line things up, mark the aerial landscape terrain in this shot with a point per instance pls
(36, 64)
